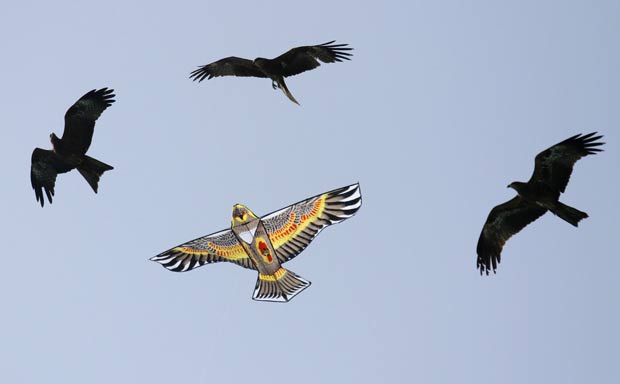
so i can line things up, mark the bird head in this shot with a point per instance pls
(259, 61)
(241, 215)
(516, 185)
(54, 139)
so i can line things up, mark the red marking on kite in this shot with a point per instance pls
(262, 247)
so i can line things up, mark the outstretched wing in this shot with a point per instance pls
(503, 222)
(81, 117)
(230, 66)
(44, 167)
(219, 246)
(554, 165)
(291, 229)
(302, 59)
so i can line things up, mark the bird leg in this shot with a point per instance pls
(274, 85)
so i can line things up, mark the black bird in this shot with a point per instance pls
(540, 194)
(291, 63)
(69, 152)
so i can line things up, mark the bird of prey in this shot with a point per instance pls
(265, 243)
(293, 62)
(69, 152)
(540, 194)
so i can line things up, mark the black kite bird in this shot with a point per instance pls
(540, 194)
(293, 62)
(69, 152)
(265, 243)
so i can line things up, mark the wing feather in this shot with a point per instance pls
(229, 66)
(81, 117)
(45, 166)
(213, 248)
(291, 229)
(301, 59)
(504, 221)
(554, 165)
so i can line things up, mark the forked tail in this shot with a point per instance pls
(569, 214)
(92, 169)
(282, 86)
(282, 286)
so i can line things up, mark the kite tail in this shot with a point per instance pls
(569, 214)
(282, 286)
(288, 93)
(92, 169)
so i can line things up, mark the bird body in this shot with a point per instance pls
(69, 152)
(552, 171)
(546, 197)
(274, 70)
(293, 62)
(265, 243)
(536, 193)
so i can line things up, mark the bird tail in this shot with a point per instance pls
(282, 86)
(92, 169)
(567, 213)
(282, 286)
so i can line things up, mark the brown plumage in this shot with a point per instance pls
(291, 63)
(552, 171)
(69, 152)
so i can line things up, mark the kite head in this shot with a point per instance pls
(241, 215)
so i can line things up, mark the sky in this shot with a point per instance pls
(443, 104)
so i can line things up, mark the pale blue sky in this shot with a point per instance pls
(443, 104)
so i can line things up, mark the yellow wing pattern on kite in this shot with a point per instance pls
(220, 246)
(291, 229)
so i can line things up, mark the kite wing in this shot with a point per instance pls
(291, 229)
(503, 222)
(219, 246)
(230, 66)
(554, 165)
(302, 59)
(81, 117)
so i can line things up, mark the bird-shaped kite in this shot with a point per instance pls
(540, 194)
(291, 63)
(265, 243)
(69, 152)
